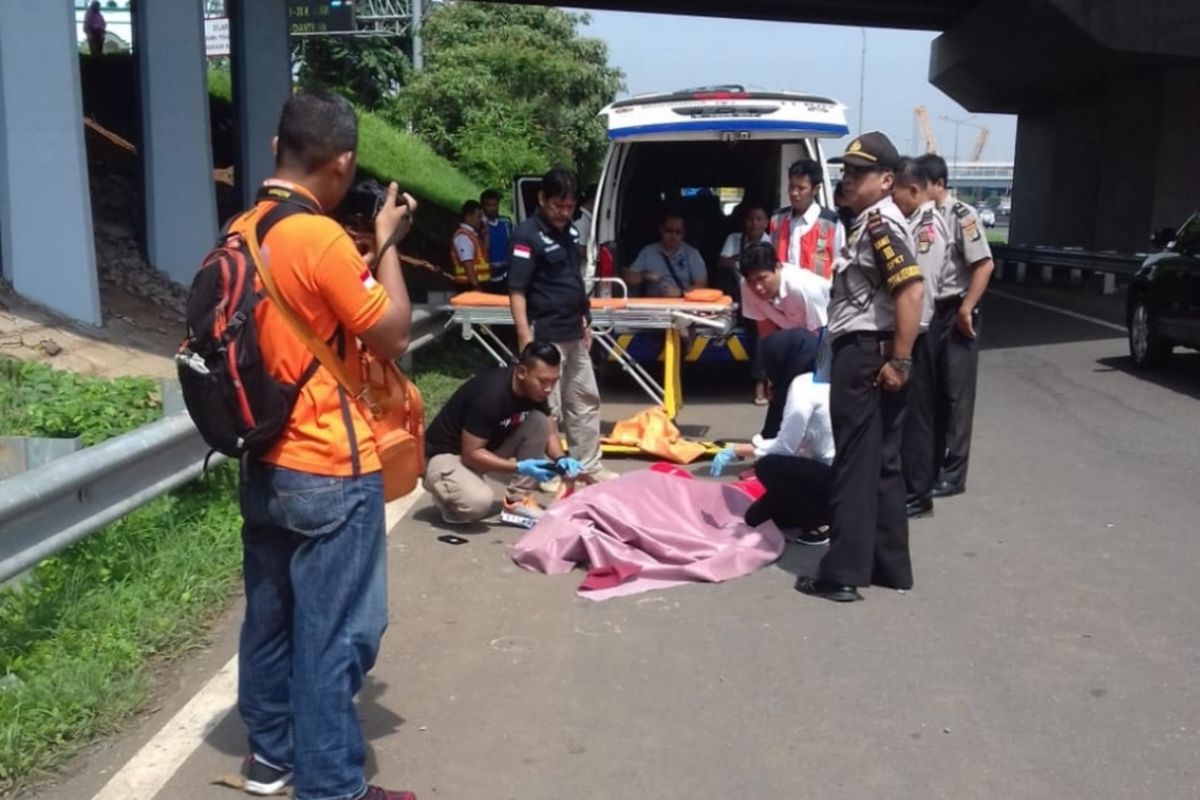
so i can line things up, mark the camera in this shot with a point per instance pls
(363, 201)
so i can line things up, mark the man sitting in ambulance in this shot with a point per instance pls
(669, 267)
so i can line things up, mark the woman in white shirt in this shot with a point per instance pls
(752, 219)
(795, 467)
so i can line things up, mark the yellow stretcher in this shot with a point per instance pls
(478, 312)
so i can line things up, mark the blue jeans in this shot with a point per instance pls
(315, 569)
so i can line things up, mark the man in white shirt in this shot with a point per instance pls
(669, 267)
(753, 220)
(584, 224)
(794, 466)
(789, 305)
(754, 223)
(782, 296)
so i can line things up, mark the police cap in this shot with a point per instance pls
(872, 149)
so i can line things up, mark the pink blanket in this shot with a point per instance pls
(647, 530)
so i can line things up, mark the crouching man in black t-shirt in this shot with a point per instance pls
(498, 422)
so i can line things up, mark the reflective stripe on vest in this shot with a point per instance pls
(483, 270)
(817, 245)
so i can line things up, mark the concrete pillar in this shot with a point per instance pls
(1132, 130)
(262, 82)
(181, 202)
(1109, 286)
(1176, 170)
(1021, 273)
(45, 203)
(1032, 180)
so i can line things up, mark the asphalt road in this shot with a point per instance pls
(1049, 649)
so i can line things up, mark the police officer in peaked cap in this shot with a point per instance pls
(874, 314)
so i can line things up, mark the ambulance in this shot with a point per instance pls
(700, 150)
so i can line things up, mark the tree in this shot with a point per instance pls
(368, 71)
(510, 89)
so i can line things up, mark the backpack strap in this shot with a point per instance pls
(317, 346)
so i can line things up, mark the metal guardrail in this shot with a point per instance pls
(47, 509)
(53, 506)
(1070, 258)
(1077, 261)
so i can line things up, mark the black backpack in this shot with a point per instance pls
(237, 406)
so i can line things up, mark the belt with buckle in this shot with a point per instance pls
(879, 341)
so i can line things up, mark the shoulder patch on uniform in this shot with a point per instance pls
(925, 236)
(892, 256)
(971, 230)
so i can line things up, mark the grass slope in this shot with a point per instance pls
(392, 155)
(77, 636)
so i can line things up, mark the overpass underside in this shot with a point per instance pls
(1107, 123)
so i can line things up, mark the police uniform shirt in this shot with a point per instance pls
(968, 246)
(876, 262)
(932, 240)
(545, 266)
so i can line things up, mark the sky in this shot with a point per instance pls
(661, 52)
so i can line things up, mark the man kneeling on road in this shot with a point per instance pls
(498, 422)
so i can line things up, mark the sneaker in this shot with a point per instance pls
(523, 513)
(814, 538)
(552, 486)
(263, 777)
(379, 793)
(603, 474)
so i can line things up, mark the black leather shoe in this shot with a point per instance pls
(830, 591)
(945, 489)
(921, 507)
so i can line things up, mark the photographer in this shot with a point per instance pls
(498, 422)
(313, 508)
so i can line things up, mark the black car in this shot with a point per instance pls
(1163, 311)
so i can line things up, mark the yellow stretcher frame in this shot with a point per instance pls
(476, 322)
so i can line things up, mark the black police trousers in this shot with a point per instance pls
(869, 524)
(920, 455)
(797, 493)
(957, 368)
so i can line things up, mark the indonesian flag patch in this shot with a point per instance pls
(368, 280)
(522, 251)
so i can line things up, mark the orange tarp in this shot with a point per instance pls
(654, 433)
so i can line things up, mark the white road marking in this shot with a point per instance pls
(1103, 323)
(398, 509)
(144, 775)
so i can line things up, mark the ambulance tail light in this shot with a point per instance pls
(605, 268)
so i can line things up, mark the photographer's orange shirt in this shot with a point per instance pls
(324, 280)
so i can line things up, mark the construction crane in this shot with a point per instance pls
(980, 143)
(922, 117)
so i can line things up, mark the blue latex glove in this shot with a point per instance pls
(540, 469)
(721, 461)
(570, 467)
